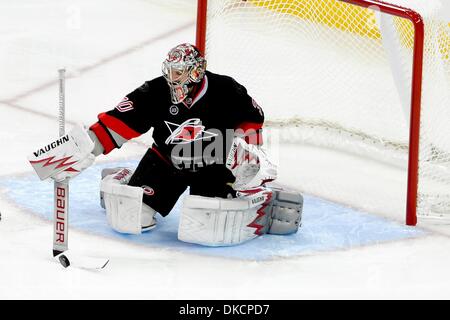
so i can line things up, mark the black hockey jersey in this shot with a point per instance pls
(191, 134)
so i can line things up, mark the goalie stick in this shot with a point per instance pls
(61, 206)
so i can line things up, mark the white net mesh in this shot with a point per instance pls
(338, 76)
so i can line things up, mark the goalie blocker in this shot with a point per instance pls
(64, 157)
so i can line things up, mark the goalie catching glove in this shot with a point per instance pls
(65, 157)
(250, 165)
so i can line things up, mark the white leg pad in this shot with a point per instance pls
(125, 211)
(217, 221)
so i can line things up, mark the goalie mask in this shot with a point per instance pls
(183, 67)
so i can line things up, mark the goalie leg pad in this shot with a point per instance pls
(285, 210)
(223, 222)
(111, 171)
(125, 211)
(218, 221)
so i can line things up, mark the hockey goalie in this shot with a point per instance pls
(207, 134)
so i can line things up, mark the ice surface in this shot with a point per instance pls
(326, 226)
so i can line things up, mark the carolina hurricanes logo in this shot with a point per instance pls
(187, 132)
(125, 105)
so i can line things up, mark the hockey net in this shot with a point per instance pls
(339, 76)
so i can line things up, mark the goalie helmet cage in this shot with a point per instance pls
(401, 33)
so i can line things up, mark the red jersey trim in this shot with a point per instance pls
(252, 132)
(103, 137)
(199, 94)
(250, 126)
(202, 91)
(118, 126)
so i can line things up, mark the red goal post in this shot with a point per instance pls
(416, 88)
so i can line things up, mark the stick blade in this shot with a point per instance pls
(68, 258)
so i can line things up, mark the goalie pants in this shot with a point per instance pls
(163, 184)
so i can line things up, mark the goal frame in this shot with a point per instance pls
(416, 87)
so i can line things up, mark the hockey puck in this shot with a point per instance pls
(64, 261)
